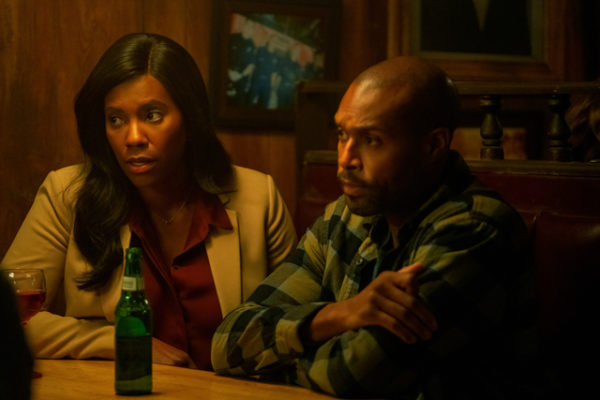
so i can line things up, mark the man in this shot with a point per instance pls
(405, 286)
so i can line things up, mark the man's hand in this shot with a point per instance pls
(390, 301)
(163, 353)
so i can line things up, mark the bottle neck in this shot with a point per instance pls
(132, 283)
(133, 280)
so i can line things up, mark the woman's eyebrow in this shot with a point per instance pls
(154, 103)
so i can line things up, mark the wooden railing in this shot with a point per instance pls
(558, 100)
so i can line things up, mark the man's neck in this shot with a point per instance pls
(431, 182)
(394, 224)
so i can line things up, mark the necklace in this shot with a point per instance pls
(169, 221)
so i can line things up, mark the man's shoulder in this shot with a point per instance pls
(483, 200)
(478, 202)
(462, 194)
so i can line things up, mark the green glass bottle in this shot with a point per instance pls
(133, 331)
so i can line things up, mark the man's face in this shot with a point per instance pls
(380, 163)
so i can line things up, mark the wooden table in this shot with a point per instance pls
(94, 379)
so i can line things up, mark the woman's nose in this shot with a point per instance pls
(135, 134)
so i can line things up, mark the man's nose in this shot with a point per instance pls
(348, 155)
(135, 135)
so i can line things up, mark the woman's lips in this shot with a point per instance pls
(139, 165)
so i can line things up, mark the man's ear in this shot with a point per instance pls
(437, 143)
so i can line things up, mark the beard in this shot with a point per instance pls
(372, 199)
(393, 197)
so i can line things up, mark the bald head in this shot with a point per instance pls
(424, 96)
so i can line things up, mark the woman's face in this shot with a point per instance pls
(145, 130)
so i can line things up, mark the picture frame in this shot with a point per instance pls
(553, 37)
(261, 49)
(510, 30)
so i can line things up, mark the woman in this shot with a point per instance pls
(156, 177)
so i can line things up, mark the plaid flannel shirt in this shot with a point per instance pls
(469, 241)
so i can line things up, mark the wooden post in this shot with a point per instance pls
(559, 148)
(491, 129)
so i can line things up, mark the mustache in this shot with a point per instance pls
(351, 178)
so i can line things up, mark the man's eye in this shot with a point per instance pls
(154, 116)
(371, 140)
(342, 136)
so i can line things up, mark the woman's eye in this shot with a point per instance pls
(154, 116)
(115, 121)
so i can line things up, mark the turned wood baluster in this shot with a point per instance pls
(491, 129)
(559, 132)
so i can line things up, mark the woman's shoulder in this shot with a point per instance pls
(244, 173)
(68, 173)
(249, 185)
(64, 181)
(245, 179)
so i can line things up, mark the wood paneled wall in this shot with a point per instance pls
(48, 47)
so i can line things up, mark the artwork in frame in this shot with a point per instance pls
(490, 40)
(499, 30)
(261, 49)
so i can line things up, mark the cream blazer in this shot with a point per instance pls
(79, 324)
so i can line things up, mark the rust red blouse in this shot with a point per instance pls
(182, 294)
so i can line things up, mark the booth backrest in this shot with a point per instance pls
(534, 188)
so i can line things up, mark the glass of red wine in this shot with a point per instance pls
(30, 286)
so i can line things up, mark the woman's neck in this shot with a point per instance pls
(166, 200)
(171, 212)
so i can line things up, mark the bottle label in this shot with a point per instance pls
(133, 364)
(133, 283)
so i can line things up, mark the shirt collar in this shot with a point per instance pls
(208, 211)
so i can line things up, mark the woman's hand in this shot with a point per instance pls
(163, 353)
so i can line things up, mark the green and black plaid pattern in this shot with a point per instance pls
(471, 243)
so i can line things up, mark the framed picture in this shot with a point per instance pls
(508, 40)
(261, 49)
(508, 30)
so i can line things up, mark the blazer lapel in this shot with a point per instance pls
(223, 250)
(111, 292)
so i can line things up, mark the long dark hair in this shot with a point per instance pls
(106, 198)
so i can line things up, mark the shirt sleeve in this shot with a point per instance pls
(43, 237)
(42, 241)
(262, 334)
(464, 285)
